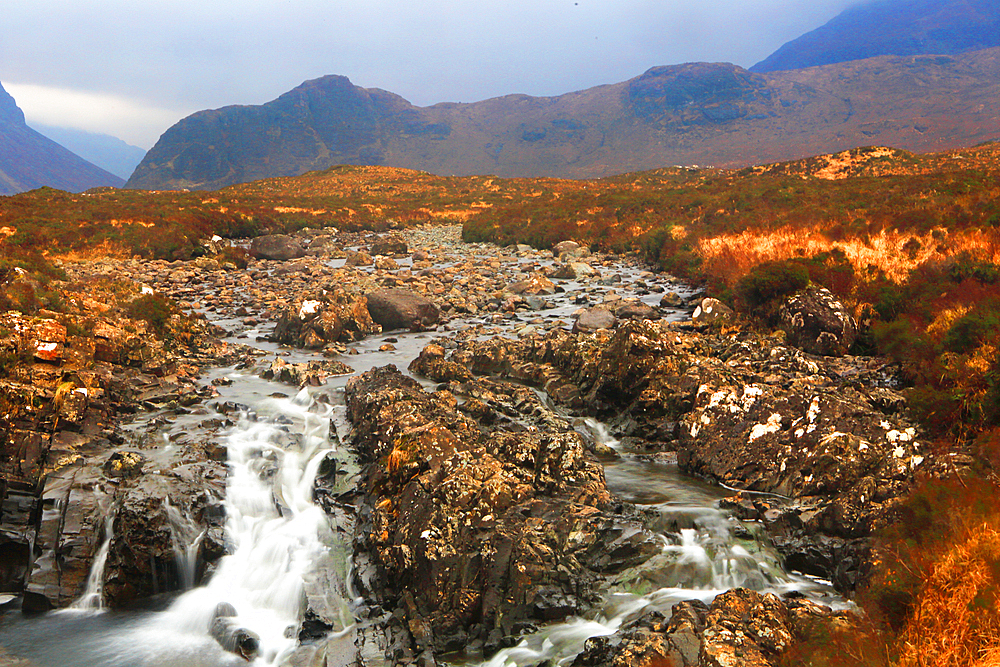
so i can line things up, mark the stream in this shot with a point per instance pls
(277, 539)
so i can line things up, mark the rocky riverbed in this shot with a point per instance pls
(475, 503)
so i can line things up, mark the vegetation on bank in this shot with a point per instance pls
(910, 243)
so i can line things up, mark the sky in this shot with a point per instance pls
(133, 68)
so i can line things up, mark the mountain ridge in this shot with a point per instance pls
(694, 113)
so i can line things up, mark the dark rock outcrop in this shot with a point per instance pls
(402, 309)
(740, 627)
(816, 322)
(506, 525)
(746, 411)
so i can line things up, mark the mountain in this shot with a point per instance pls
(107, 152)
(698, 113)
(893, 27)
(29, 160)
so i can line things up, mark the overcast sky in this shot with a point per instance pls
(132, 68)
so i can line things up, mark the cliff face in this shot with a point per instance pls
(29, 160)
(697, 113)
(893, 27)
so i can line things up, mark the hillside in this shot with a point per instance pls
(693, 114)
(107, 152)
(891, 27)
(29, 160)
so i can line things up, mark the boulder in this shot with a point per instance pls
(315, 323)
(711, 310)
(635, 310)
(592, 319)
(358, 258)
(816, 322)
(389, 245)
(280, 247)
(402, 309)
(671, 300)
(535, 285)
(574, 271)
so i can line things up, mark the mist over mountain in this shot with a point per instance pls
(107, 152)
(697, 113)
(892, 27)
(30, 160)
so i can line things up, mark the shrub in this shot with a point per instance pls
(766, 285)
(153, 308)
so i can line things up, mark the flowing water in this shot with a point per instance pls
(276, 537)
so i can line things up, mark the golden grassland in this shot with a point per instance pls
(910, 242)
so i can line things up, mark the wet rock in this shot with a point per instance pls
(124, 464)
(384, 263)
(402, 309)
(635, 310)
(816, 322)
(314, 323)
(511, 524)
(312, 373)
(593, 319)
(280, 247)
(740, 627)
(142, 560)
(226, 630)
(711, 310)
(671, 300)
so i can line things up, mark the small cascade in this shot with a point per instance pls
(273, 531)
(186, 541)
(601, 434)
(93, 592)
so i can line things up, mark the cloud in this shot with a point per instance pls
(131, 120)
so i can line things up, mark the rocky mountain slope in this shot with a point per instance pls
(697, 113)
(29, 160)
(890, 27)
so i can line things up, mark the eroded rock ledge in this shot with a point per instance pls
(824, 438)
(479, 518)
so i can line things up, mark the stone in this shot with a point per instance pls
(671, 300)
(575, 271)
(279, 247)
(816, 322)
(358, 258)
(402, 309)
(593, 319)
(535, 285)
(389, 245)
(711, 310)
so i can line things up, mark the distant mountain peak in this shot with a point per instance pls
(892, 27)
(30, 160)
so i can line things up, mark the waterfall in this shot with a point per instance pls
(186, 541)
(93, 593)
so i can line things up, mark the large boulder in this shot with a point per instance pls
(816, 322)
(278, 247)
(402, 309)
(315, 323)
(592, 319)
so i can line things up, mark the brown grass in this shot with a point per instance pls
(955, 620)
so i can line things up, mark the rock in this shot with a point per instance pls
(535, 285)
(593, 319)
(389, 245)
(565, 246)
(124, 464)
(226, 630)
(384, 263)
(635, 310)
(315, 323)
(671, 300)
(358, 258)
(402, 309)
(511, 524)
(575, 271)
(816, 322)
(280, 247)
(711, 310)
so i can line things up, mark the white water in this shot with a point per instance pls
(93, 593)
(273, 531)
